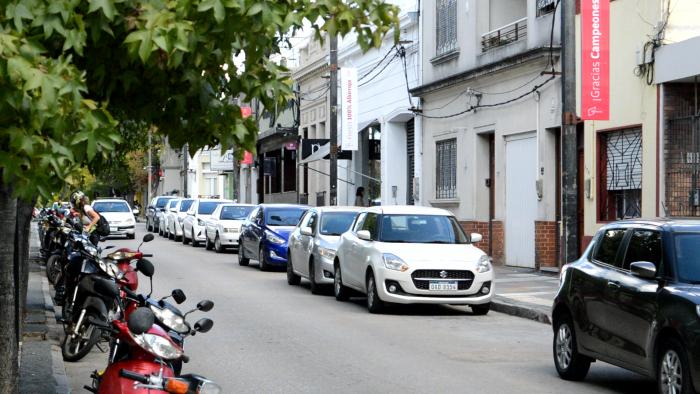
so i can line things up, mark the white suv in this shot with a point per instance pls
(412, 255)
(194, 224)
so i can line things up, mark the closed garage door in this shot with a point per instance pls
(521, 200)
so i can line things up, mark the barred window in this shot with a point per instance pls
(545, 7)
(446, 26)
(620, 174)
(446, 159)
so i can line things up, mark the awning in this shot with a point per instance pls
(363, 125)
(323, 151)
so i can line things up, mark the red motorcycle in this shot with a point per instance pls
(123, 258)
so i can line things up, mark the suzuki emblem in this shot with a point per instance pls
(443, 274)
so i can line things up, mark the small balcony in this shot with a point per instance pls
(512, 32)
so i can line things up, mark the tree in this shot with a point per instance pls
(71, 71)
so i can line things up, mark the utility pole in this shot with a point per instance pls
(334, 119)
(150, 170)
(569, 141)
(185, 169)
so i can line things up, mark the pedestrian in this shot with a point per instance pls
(93, 223)
(360, 197)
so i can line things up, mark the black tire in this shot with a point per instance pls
(149, 228)
(194, 240)
(131, 236)
(218, 247)
(264, 266)
(184, 238)
(207, 244)
(54, 269)
(171, 235)
(673, 369)
(242, 260)
(570, 364)
(89, 335)
(292, 278)
(340, 292)
(315, 287)
(374, 303)
(481, 309)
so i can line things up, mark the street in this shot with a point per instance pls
(270, 337)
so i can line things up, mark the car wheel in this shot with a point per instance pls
(171, 235)
(374, 303)
(315, 288)
(242, 260)
(184, 238)
(292, 278)
(218, 248)
(481, 309)
(194, 240)
(207, 244)
(264, 266)
(149, 228)
(672, 370)
(570, 364)
(341, 292)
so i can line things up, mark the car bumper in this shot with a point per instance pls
(122, 230)
(199, 232)
(324, 271)
(229, 239)
(178, 229)
(276, 254)
(407, 292)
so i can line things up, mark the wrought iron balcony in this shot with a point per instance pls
(511, 32)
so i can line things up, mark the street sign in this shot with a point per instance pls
(595, 59)
(221, 161)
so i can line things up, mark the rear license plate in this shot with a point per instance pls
(440, 285)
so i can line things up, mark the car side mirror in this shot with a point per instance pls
(643, 269)
(475, 237)
(364, 235)
(162, 209)
(307, 231)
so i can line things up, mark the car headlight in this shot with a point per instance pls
(484, 264)
(394, 262)
(200, 222)
(129, 221)
(326, 252)
(230, 230)
(274, 238)
(170, 319)
(157, 345)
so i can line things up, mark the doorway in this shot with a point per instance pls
(521, 199)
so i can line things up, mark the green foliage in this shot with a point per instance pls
(71, 71)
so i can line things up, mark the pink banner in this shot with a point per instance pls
(595, 59)
(247, 158)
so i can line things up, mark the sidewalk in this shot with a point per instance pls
(524, 292)
(41, 365)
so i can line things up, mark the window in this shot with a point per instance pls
(312, 222)
(207, 207)
(545, 7)
(446, 159)
(620, 174)
(645, 245)
(371, 224)
(608, 245)
(422, 229)
(359, 222)
(336, 223)
(446, 26)
(210, 185)
(185, 205)
(687, 247)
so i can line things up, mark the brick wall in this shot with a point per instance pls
(481, 227)
(546, 243)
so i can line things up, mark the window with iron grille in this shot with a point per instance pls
(446, 160)
(446, 26)
(620, 174)
(545, 7)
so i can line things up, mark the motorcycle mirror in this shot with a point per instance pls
(205, 305)
(106, 287)
(141, 320)
(145, 267)
(203, 325)
(179, 296)
(148, 237)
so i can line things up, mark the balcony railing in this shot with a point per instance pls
(511, 32)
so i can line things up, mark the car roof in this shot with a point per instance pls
(670, 224)
(111, 200)
(221, 200)
(408, 210)
(284, 206)
(338, 209)
(235, 204)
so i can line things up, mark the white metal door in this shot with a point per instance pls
(521, 200)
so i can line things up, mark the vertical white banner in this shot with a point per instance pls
(348, 94)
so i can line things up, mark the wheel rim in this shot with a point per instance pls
(671, 373)
(336, 281)
(370, 291)
(563, 346)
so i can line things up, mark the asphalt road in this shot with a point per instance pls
(269, 337)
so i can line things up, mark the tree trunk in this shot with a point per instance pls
(22, 236)
(9, 352)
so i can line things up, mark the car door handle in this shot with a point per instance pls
(614, 284)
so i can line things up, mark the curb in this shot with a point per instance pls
(54, 334)
(519, 309)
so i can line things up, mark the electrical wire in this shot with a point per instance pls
(396, 55)
(402, 53)
(322, 94)
(378, 64)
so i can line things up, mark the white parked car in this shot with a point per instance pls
(176, 216)
(412, 255)
(224, 226)
(194, 223)
(165, 220)
(312, 244)
(119, 216)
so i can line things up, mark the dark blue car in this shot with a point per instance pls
(265, 233)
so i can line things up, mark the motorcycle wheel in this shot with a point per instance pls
(74, 348)
(53, 269)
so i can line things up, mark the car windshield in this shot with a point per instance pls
(160, 203)
(207, 207)
(336, 223)
(186, 204)
(235, 213)
(105, 206)
(283, 216)
(688, 256)
(421, 229)
(172, 204)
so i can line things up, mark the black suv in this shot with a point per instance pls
(632, 300)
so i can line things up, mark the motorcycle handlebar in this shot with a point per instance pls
(133, 376)
(147, 254)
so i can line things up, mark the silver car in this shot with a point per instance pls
(165, 220)
(312, 245)
(175, 217)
